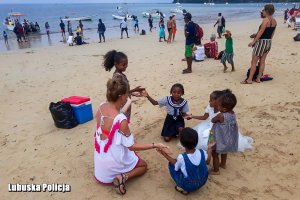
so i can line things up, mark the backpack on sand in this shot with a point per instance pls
(297, 37)
(198, 33)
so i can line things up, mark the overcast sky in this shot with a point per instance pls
(84, 1)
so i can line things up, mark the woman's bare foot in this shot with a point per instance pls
(119, 184)
(257, 80)
(245, 82)
(213, 172)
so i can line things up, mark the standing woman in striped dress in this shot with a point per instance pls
(262, 42)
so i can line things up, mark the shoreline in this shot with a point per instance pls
(92, 36)
(34, 151)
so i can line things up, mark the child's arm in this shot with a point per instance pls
(203, 117)
(145, 94)
(142, 147)
(137, 89)
(218, 118)
(209, 152)
(185, 115)
(169, 158)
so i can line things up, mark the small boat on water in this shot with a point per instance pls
(122, 13)
(178, 9)
(86, 18)
(211, 3)
(121, 17)
(155, 13)
(9, 21)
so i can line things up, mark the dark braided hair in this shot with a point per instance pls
(111, 58)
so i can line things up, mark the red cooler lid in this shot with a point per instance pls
(76, 99)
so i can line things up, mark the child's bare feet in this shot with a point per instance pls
(212, 172)
(232, 69)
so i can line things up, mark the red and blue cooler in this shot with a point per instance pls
(82, 108)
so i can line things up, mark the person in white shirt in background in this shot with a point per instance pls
(70, 40)
(123, 27)
(199, 53)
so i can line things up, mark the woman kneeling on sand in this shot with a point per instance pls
(262, 42)
(115, 160)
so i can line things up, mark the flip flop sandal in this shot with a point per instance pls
(182, 191)
(118, 185)
(245, 82)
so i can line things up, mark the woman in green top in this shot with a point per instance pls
(228, 53)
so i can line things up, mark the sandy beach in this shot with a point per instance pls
(33, 150)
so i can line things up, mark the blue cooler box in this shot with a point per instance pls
(83, 112)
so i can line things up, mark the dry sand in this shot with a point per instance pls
(33, 150)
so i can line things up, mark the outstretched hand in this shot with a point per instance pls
(160, 146)
(138, 89)
(144, 93)
(164, 151)
(189, 117)
(136, 94)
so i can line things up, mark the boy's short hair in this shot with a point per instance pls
(188, 138)
(188, 16)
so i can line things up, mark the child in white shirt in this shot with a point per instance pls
(199, 53)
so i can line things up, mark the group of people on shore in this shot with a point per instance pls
(209, 140)
(261, 44)
(171, 27)
(22, 30)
